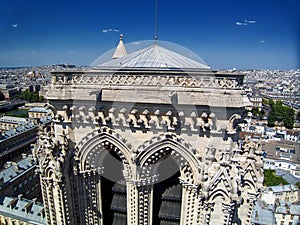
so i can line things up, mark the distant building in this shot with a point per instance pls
(250, 136)
(270, 132)
(9, 122)
(9, 90)
(16, 141)
(287, 213)
(284, 155)
(263, 214)
(20, 178)
(288, 193)
(293, 135)
(36, 113)
(34, 88)
(21, 211)
(277, 205)
(256, 102)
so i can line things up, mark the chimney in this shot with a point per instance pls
(20, 196)
(8, 164)
(256, 215)
(287, 207)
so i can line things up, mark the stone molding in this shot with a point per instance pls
(187, 80)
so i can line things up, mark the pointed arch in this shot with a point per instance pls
(249, 183)
(218, 192)
(215, 189)
(91, 147)
(251, 176)
(170, 144)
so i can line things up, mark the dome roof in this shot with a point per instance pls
(162, 55)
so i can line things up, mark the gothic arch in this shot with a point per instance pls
(172, 145)
(49, 173)
(218, 192)
(95, 143)
(52, 170)
(220, 184)
(249, 183)
(106, 192)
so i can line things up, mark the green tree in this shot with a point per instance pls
(271, 118)
(288, 118)
(265, 101)
(261, 113)
(41, 98)
(270, 178)
(255, 112)
(31, 96)
(281, 113)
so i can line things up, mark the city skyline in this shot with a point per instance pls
(243, 35)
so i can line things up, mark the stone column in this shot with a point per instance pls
(55, 201)
(51, 219)
(206, 212)
(139, 199)
(92, 203)
(252, 199)
(228, 212)
(132, 200)
(60, 204)
(145, 204)
(190, 203)
(45, 198)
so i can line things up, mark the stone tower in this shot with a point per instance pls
(150, 137)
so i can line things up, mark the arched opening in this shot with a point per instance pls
(167, 193)
(113, 189)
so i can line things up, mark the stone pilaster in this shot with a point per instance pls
(92, 209)
(145, 204)
(251, 199)
(207, 208)
(228, 210)
(190, 203)
(139, 199)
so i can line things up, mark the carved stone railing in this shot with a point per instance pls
(157, 80)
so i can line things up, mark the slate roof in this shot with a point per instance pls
(12, 119)
(15, 170)
(39, 109)
(282, 150)
(288, 208)
(262, 213)
(21, 209)
(283, 188)
(22, 128)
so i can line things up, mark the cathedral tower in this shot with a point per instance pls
(149, 137)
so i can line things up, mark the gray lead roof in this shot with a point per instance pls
(155, 56)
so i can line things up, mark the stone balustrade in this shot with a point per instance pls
(187, 80)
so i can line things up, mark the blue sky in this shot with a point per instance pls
(244, 34)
